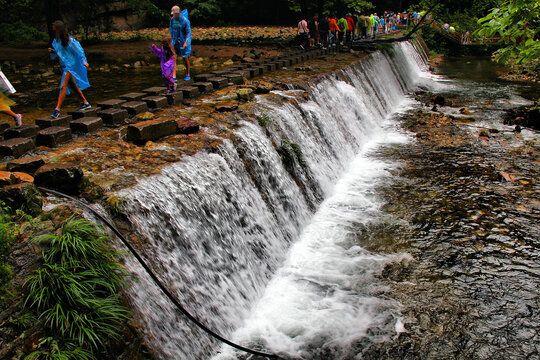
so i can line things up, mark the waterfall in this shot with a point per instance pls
(234, 233)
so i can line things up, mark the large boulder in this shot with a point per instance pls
(65, 177)
(27, 165)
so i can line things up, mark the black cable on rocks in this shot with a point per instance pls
(157, 281)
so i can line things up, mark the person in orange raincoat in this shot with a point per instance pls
(334, 28)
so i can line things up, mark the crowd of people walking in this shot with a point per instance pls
(332, 30)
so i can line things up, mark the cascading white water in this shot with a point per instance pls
(220, 226)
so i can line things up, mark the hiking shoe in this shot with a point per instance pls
(55, 114)
(18, 120)
(175, 80)
(84, 106)
(187, 78)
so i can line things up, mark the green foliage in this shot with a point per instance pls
(76, 291)
(339, 6)
(8, 234)
(19, 33)
(291, 154)
(264, 120)
(518, 24)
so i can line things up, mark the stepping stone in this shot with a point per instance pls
(132, 96)
(16, 147)
(183, 83)
(244, 73)
(155, 91)
(220, 73)
(86, 125)
(270, 67)
(111, 104)
(262, 69)
(53, 136)
(204, 87)
(156, 102)
(47, 122)
(135, 107)
(187, 126)
(203, 77)
(24, 131)
(236, 79)
(253, 72)
(3, 127)
(175, 98)
(77, 114)
(151, 130)
(27, 164)
(219, 82)
(189, 92)
(112, 117)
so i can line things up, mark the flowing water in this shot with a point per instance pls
(315, 258)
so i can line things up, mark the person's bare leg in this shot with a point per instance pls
(77, 90)
(9, 112)
(63, 91)
(186, 62)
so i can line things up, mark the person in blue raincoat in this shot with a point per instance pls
(73, 63)
(180, 30)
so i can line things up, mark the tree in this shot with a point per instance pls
(517, 23)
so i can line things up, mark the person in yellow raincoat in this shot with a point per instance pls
(5, 102)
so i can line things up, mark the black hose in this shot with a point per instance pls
(157, 281)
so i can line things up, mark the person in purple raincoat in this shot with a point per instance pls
(168, 59)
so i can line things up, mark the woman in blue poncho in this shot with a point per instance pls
(180, 30)
(73, 63)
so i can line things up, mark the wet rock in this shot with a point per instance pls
(86, 125)
(24, 131)
(112, 116)
(135, 107)
(439, 100)
(155, 102)
(47, 122)
(189, 92)
(53, 136)
(146, 116)
(22, 196)
(27, 165)
(227, 107)
(64, 177)
(218, 82)
(494, 131)
(245, 94)
(175, 98)
(155, 91)
(204, 87)
(203, 77)
(20, 177)
(483, 133)
(5, 178)
(151, 130)
(79, 114)
(507, 176)
(111, 104)
(187, 126)
(264, 87)
(517, 129)
(16, 147)
(134, 96)
(465, 111)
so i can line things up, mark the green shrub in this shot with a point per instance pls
(8, 234)
(76, 292)
(20, 34)
(264, 120)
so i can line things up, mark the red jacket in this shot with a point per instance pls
(350, 22)
(333, 25)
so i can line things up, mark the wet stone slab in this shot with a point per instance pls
(86, 125)
(155, 91)
(53, 136)
(134, 96)
(16, 147)
(111, 104)
(112, 117)
(218, 82)
(47, 122)
(27, 165)
(151, 130)
(155, 102)
(24, 131)
(77, 114)
(135, 107)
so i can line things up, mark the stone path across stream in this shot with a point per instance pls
(50, 133)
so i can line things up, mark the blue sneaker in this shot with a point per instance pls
(187, 78)
(84, 106)
(55, 114)
(175, 80)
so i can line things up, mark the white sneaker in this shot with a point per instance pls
(18, 120)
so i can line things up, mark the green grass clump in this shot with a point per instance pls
(8, 234)
(75, 292)
(291, 153)
(264, 120)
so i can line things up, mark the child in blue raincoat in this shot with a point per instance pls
(180, 30)
(73, 63)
